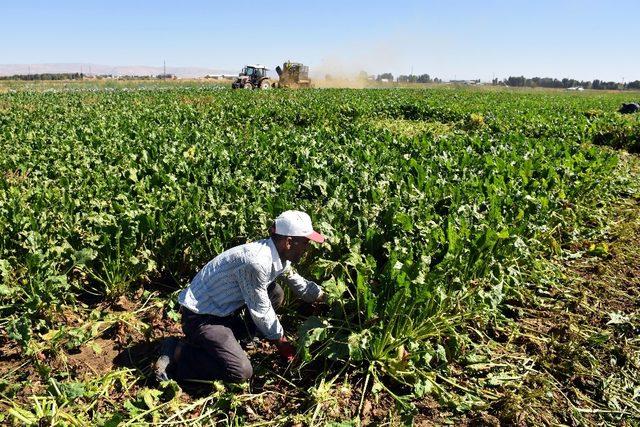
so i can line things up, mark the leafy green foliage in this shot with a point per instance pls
(438, 205)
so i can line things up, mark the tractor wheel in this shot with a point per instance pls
(265, 84)
(247, 85)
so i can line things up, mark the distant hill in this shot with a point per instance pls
(119, 70)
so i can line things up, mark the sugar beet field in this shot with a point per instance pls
(481, 263)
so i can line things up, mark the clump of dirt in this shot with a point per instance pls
(10, 355)
(95, 358)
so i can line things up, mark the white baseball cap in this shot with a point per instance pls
(296, 223)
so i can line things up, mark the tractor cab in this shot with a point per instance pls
(254, 71)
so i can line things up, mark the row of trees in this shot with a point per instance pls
(547, 82)
(80, 76)
(45, 76)
(565, 83)
(408, 78)
(403, 78)
(422, 78)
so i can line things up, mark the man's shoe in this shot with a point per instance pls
(167, 350)
(250, 343)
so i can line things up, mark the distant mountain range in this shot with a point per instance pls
(119, 70)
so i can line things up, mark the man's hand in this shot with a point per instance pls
(317, 307)
(286, 350)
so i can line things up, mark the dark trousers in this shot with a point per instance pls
(212, 350)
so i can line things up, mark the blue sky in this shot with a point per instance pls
(584, 39)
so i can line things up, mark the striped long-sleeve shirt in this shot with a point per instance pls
(241, 276)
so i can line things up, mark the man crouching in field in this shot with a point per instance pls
(212, 306)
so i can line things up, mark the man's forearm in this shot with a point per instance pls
(304, 289)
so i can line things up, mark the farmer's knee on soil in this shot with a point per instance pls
(221, 343)
(241, 370)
